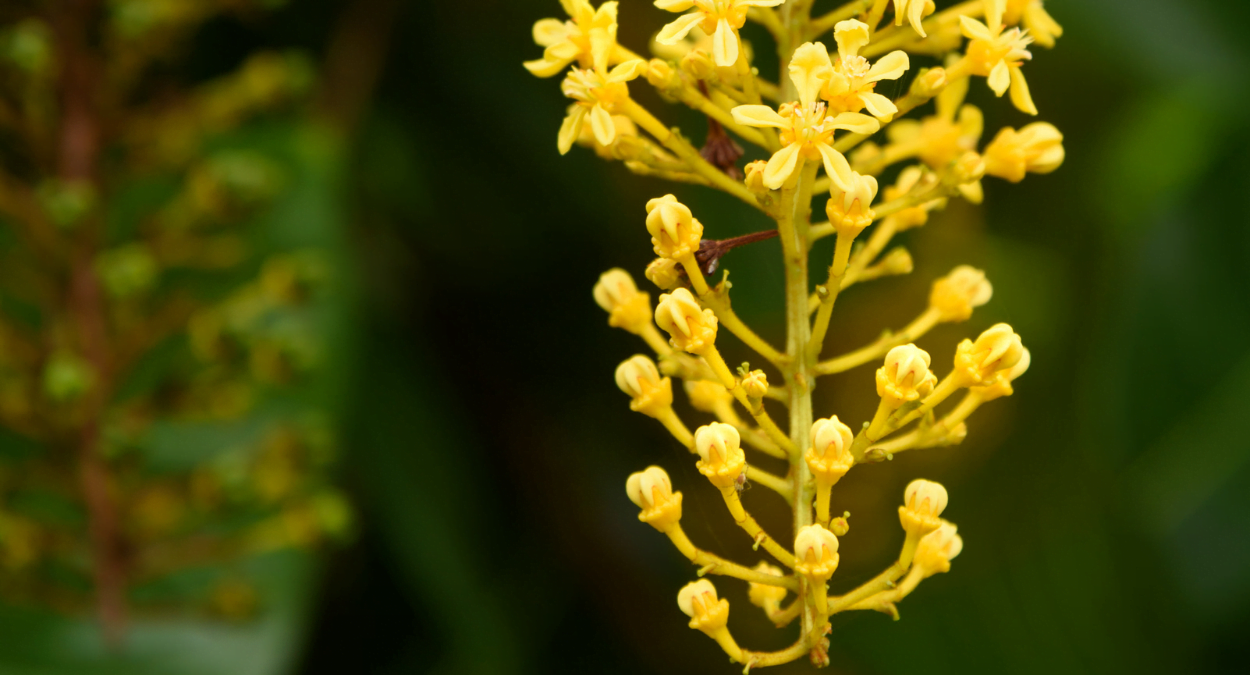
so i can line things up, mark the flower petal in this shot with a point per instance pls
(781, 166)
(1000, 78)
(856, 122)
(759, 116)
(602, 126)
(889, 67)
(994, 14)
(850, 35)
(880, 106)
(903, 131)
(571, 128)
(915, 15)
(836, 167)
(677, 30)
(1020, 96)
(759, 3)
(974, 29)
(601, 42)
(549, 31)
(724, 44)
(810, 70)
(674, 5)
(562, 51)
(951, 98)
(627, 71)
(545, 67)
(971, 122)
(972, 191)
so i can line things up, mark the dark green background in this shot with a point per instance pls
(1104, 507)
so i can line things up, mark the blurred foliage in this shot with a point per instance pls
(1104, 506)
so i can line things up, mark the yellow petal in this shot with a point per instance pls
(677, 30)
(810, 70)
(571, 128)
(972, 192)
(601, 42)
(856, 122)
(1020, 96)
(627, 71)
(974, 29)
(562, 51)
(915, 14)
(724, 44)
(759, 3)
(781, 166)
(888, 67)
(994, 13)
(545, 67)
(602, 126)
(878, 105)
(549, 31)
(903, 131)
(971, 122)
(952, 96)
(674, 5)
(759, 116)
(836, 167)
(1000, 78)
(850, 35)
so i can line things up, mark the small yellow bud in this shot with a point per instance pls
(652, 491)
(1036, 148)
(692, 329)
(675, 232)
(936, 550)
(638, 377)
(706, 395)
(815, 553)
(698, 601)
(720, 450)
(626, 306)
(754, 177)
(1001, 386)
(955, 295)
(849, 212)
(663, 273)
(898, 261)
(840, 526)
(923, 501)
(764, 595)
(997, 349)
(929, 83)
(969, 168)
(662, 75)
(829, 458)
(699, 65)
(755, 384)
(905, 376)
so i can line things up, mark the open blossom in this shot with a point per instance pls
(806, 129)
(589, 38)
(596, 95)
(939, 139)
(848, 83)
(1035, 148)
(996, 52)
(915, 11)
(719, 18)
(1035, 19)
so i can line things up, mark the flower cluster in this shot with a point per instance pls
(823, 127)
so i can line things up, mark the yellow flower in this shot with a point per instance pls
(626, 306)
(675, 232)
(720, 18)
(848, 83)
(652, 491)
(815, 553)
(765, 595)
(638, 377)
(1001, 386)
(829, 458)
(698, 601)
(588, 38)
(596, 95)
(806, 131)
(720, 451)
(915, 11)
(997, 349)
(755, 384)
(955, 295)
(1036, 20)
(692, 328)
(1036, 148)
(905, 375)
(996, 54)
(936, 550)
(923, 501)
(849, 211)
(941, 138)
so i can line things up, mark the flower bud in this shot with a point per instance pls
(755, 384)
(638, 377)
(652, 491)
(699, 65)
(707, 396)
(913, 178)
(829, 458)
(625, 129)
(928, 83)
(754, 177)
(675, 233)
(923, 502)
(905, 376)
(698, 601)
(764, 595)
(1036, 148)
(898, 261)
(815, 553)
(840, 526)
(626, 306)
(662, 75)
(969, 168)
(997, 349)
(1001, 386)
(692, 328)
(849, 212)
(956, 294)
(663, 272)
(936, 550)
(720, 450)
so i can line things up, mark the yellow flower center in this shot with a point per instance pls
(715, 10)
(808, 127)
(588, 88)
(985, 54)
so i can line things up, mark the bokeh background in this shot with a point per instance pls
(1105, 507)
